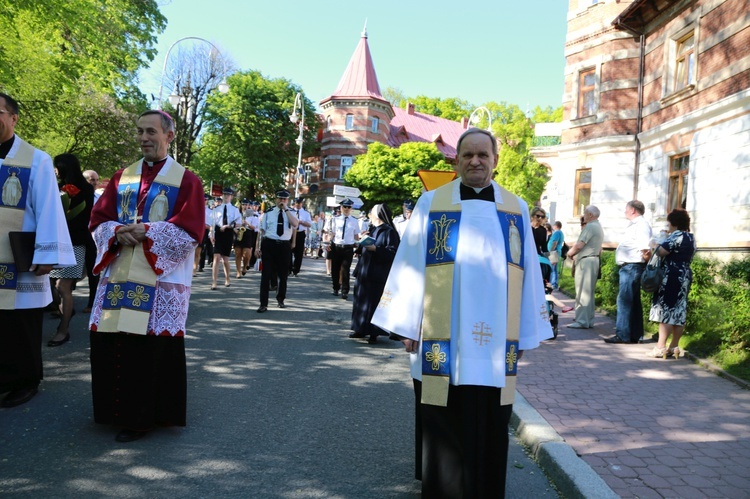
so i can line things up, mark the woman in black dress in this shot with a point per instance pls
(669, 306)
(81, 196)
(372, 272)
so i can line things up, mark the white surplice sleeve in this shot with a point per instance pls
(402, 304)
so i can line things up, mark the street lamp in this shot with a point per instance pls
(174, 99)
(298, 103)
(474, 117)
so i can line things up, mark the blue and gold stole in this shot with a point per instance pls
(129, 296)
(14, 178)
(442, 243)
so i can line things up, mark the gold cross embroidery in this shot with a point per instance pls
(511, 358)
(115, 295)
(5, 274)
(482, 333)
(385, 300)
(544, 313)
(436, 356)
(138, 296)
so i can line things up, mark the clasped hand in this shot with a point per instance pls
(131, 235)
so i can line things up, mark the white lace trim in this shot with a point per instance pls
(171, 245)
(169, 313)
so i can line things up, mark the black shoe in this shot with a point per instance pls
(335, 292)
(53, 343)
(614, 339)
(344, 296)
(129, 435)
(281, 304)
(18, 397)
(261, 309)
(357, 335)
(372, 340)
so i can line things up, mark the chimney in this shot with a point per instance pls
(464, 122)
(410, 108)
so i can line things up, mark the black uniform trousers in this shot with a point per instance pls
(275, 255)
(207, 249)
(298, 252)
(341, 262)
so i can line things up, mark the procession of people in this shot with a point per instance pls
(424, 278)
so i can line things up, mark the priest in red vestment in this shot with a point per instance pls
(146, 226)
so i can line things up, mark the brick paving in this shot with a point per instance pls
(650, 428)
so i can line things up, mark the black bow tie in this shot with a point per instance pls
(486, 194)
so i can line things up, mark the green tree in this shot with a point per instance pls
(451, 108)
(52, 53)
(249, 141)
(517, 170)
(388, 175)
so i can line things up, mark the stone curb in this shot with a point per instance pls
(572, 476)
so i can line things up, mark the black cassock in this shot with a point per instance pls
(371, 273)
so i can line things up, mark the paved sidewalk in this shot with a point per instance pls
(649, 428)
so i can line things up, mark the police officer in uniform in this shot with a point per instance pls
(275, 248)
(244, 243)
(343, 229)
(305, 221)
(399, 222)
(224, 218)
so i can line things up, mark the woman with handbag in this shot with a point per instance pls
(669, 306)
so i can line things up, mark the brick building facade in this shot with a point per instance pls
(656, 107)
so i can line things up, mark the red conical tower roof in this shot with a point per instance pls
(359, 79)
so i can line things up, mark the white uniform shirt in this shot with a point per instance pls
(217, 216)
(303, 216)
(268, 225)
(341, 234)
(636, 238)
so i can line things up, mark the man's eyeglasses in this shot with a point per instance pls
(5, 111)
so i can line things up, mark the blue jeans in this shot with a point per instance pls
(553, 276)
(629, 323)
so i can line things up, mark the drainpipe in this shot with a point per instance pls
(639, 118)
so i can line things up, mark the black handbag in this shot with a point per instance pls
(653, 274)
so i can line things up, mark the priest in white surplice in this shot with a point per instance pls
(30, 202)
(467, 249)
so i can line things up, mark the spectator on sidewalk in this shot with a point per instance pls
(669, 306)
(631, 255)
(585, 253)
(555, 247)
(451, 301)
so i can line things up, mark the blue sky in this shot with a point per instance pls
(480, 51)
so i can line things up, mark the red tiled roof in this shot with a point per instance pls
(359, 79)
(420, 127)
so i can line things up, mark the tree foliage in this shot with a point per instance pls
(388, 175)
(57, 56)
(249, 141)
(517, 170)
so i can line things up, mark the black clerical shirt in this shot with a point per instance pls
(486, 194)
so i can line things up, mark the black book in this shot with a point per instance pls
(22, 246)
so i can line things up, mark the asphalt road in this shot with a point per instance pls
(280, 405)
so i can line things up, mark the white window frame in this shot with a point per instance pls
(349, 122)
(374, 124)
(673, 42)
(325, 169)
(346, 164)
